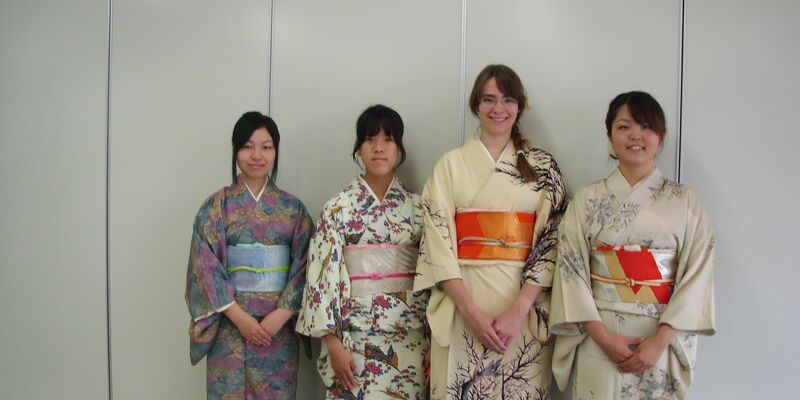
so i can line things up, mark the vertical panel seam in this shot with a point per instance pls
(463, 70)
(679, 137)
(271, 45)
(108, 199)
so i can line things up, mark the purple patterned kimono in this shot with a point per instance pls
(233, 218)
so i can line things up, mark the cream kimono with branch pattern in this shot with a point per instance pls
(385, 332)
(656, 213)
(467, 177)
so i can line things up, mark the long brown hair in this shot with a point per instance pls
(509, 83)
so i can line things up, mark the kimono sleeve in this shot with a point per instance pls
(292, 295)
(691, 307)
(572, 298)
(437, 260)
(538, 269)
(208, 291)
(325, 290)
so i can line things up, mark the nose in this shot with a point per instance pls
(257, 154)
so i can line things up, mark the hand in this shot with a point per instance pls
(252, 331)
(616, 347)
(344, 367)
(507, 325)
(644, 357)
(426, 363)
(480, 324)
(648, 353)
(275, 320)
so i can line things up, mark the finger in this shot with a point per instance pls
(351, 380)
(497, 342)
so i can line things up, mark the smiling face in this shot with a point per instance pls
(635, 144)
(497, 111)
(256, 158)
(379, 153)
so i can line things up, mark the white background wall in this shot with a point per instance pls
(183, 71)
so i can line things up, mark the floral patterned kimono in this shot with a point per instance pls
(360, 272)
(250, 250)
(633, 258)
(468, 179)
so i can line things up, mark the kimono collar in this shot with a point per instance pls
(488, 154)
(617, 182)
(392, 185)
(260, 192)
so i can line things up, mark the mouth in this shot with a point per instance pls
(380, 159)
(256, 166)
(498, 118)
(635, 147)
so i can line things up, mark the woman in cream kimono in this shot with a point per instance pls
(488, 252)
(361, 265)
(633, 285)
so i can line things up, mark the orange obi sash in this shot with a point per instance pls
(632, 268)
(494, 235)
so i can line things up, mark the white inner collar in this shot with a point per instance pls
(488, 154)
(256, 197)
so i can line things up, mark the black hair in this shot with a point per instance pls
(644, 109)
(248, 123)
(375, 118)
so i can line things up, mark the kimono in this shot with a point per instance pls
(369, 306)
(467, 179)
(232, 229)
(632, 258)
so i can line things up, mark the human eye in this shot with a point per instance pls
(645, 126)
(248, 146)
(509, 101)
(488, 100)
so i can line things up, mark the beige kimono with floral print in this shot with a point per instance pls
(657, 214)
(467, 177)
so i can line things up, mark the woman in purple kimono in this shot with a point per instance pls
(246, 273)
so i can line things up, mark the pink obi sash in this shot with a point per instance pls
(382, 268)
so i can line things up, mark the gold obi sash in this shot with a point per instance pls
(639, 274)
(494, 235)
(382, 268)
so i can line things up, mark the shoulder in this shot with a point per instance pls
(668, 189)
(288, 200)
(541, 158)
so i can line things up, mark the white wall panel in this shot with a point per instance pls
(334, 59)
(52, 170)
(182, 74)
(573, 58)
(740, 150)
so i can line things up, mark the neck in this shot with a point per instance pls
(635, 173)
(378, 184)
(495, 143)
(255, 184)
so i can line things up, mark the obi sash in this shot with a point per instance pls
(494, 235)
(382, 268)
(639, 274)
(258, 269)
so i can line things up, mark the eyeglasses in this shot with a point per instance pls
(490, 101)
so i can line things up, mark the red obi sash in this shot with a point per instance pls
(494, 235)
(633, 268)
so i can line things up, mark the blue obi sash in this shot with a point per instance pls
(258, 268)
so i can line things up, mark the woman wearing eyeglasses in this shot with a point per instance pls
(491, 210)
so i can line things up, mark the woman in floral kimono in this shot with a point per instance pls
(633, 285)
(361, 263)
(491, 211)
(246, 273)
